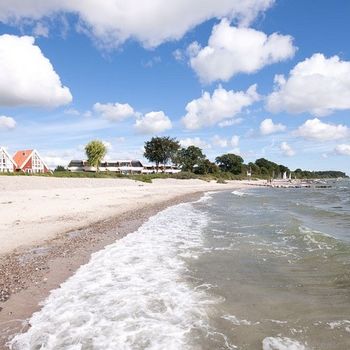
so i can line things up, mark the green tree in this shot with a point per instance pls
(254, 168)
(161, 149)
(206, 167)
(230, 163)
(95, 152)
(189, 157)
(267, 167)
(60, 168)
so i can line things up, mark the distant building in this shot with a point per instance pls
(76, 165)
(30, 162)
(115, 166)
(167, 169)
(121, 167)
(7, 164)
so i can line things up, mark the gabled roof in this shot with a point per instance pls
(21, 157)
(2, 149)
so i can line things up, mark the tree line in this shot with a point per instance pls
(162, 150)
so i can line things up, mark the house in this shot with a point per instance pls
(77, 165)
(7, 165)
(29, 161)
(115, 166)
(166, 169)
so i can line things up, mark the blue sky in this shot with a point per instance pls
(261, 78)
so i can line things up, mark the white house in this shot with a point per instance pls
(7, 164)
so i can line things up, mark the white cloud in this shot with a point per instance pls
(230, 122)
(178, 55)
(343, 149)
(71, 111)
(268, 127)
(211, 110)
(27, 76)
(224, 142)
(317, 85)
(219, 141)
(234, 141)
(314, 129)
(108, 145)
(41, 29)
(152, 123)
(195, 141)
(114, 111)
(150, 22)
(233, 50)
(152, 62)
(7, 122)
(287, 150)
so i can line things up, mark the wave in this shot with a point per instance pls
(238, 193)
(282, 343)
(131, 295)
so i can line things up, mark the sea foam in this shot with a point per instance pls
(282, 343)
(131, 295)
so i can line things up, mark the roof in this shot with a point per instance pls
(3, 149)
(22, 156)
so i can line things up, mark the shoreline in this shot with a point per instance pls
(31, 273)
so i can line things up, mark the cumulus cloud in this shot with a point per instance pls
(114, 111)
(27, 76)
(7, 122)
(152, 123)
(224, 142)
(219, 141)
(343, 149)
(195, 141)
(317, 85)
(314, 129)
(209, 110)
(150, 22)
(287, 150)
(267, 127)
(232, 50)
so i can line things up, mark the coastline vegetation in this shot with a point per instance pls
(193, 162)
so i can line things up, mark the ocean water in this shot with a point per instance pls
(247, 269)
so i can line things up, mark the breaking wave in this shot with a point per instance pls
(131, 295)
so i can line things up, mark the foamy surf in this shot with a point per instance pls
(131, 295)
(282, 343)
(238, 193)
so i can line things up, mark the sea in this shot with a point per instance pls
(258, 268)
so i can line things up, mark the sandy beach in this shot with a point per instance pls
(51, 226)
(34, 209)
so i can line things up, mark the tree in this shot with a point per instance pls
(267, 167)
(60, 168)
(161, 149)
(190, 157)
(254, 168)
(206, 167)
(95, 152)
(230, 163)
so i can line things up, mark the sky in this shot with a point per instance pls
(259, 78)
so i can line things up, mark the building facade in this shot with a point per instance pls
(30, 162)
(7, 164)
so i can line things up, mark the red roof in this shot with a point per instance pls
(21, 156)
